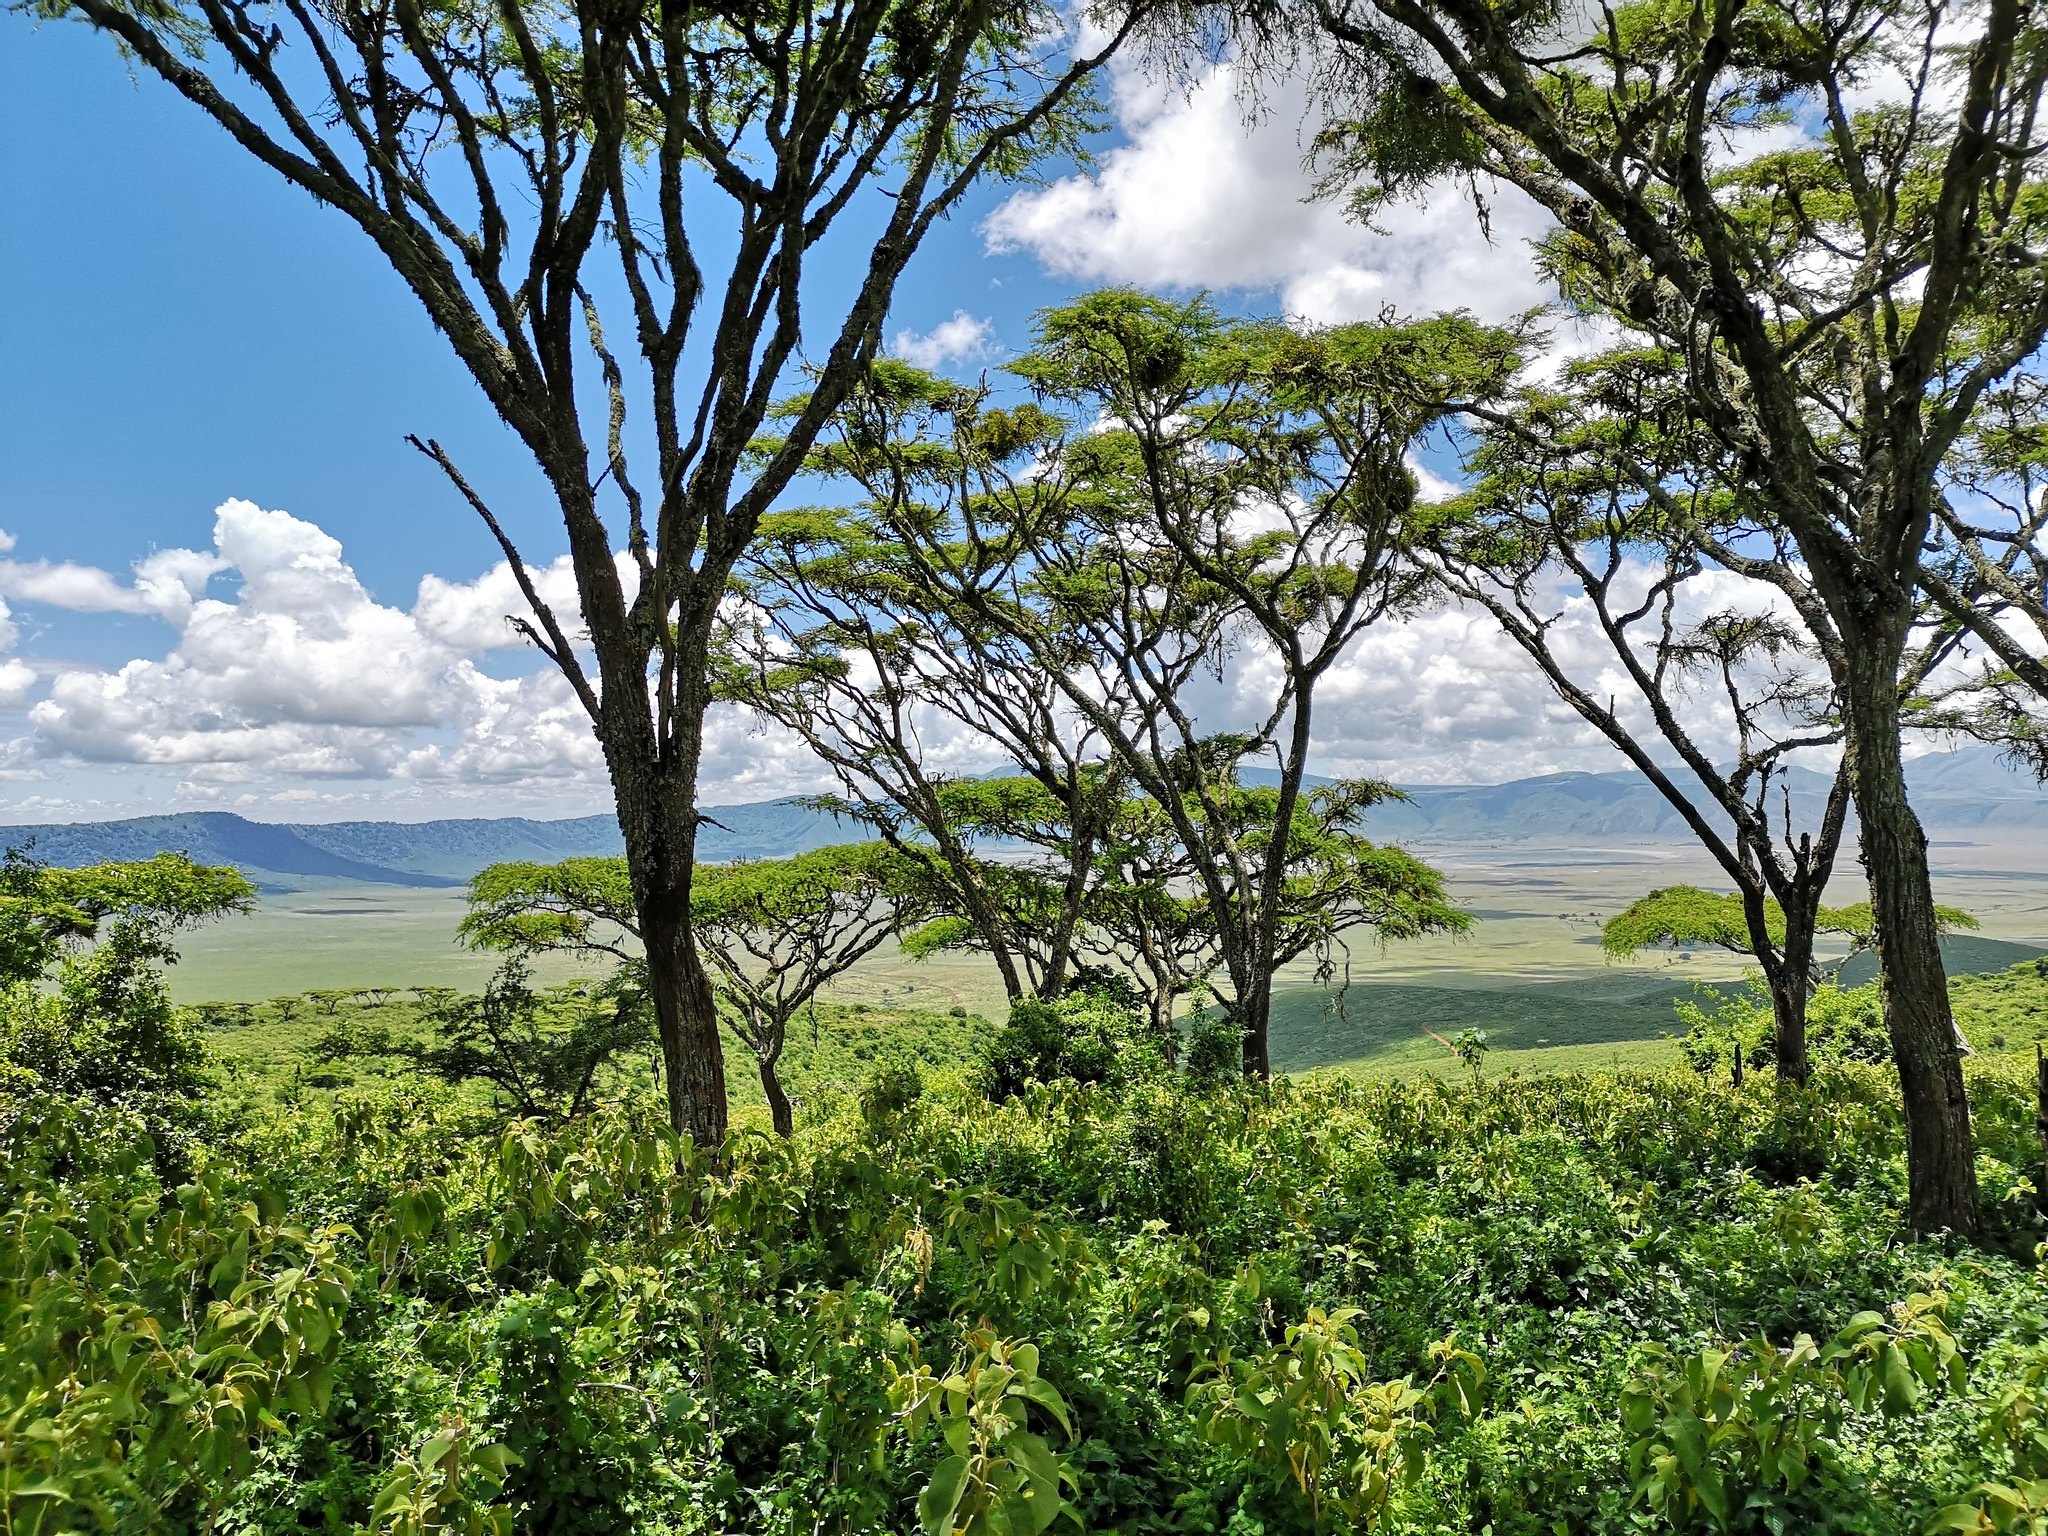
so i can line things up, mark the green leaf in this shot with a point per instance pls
(1901, 1386)
(1035, 1458)
(1047, 1396)
(941, 1496)
(1959, 1517)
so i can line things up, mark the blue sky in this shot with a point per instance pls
(183, 326)
(198, 358)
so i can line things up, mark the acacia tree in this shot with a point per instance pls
(1271, 463)
(1581, 505)
(1203, 482)
(1150, 917)
(1015, 876)
(523, 167)
(83, 1004)
(1603, 492)
(1842, 305)
(1152, 914)
(1685, 914)
(779, 930)
(838, 641)
(774, 931)
(545, 1053)
(1144, 912)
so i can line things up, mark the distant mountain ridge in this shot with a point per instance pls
(1970, 790)
(420, 854)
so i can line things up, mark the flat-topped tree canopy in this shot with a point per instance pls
(1183, 487)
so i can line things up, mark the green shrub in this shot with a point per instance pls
(1842, 1024)
(1094, 1034)
(1215, 1054)
(889, 1094)
(85, 1015)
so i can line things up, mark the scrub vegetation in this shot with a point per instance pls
(528, 1258)
(409, 1259)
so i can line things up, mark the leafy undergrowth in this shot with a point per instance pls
(1573, 1304)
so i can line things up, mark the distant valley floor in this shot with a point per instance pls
(1532, 974)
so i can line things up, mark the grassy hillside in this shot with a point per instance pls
(271, 1051)
(1607, 1019)
(1622, 1018)
(1964, 954)
(1610, 1022)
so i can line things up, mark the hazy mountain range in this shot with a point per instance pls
(1970, 790)
(424, 853)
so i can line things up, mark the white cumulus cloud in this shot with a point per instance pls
(964, 338)
(476, 615)
(1199, 198)
(302, 673)
(296, 692)
(298, 676)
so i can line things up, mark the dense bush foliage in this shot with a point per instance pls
(1595, 1304)
(85, 1014)
(1842, 1024)
(1096, 1032)
(1066, 1285)
(1998, 1011)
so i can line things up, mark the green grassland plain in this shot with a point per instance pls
(1531, 973)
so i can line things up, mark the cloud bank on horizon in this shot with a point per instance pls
(286, 690)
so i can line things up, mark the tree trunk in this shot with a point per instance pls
(659, 825)
(686, 1017)
(653, 768)
(1786, 970)
(1792, 990)
(778, 1101)
(1073, 896)
(1788, 1015)
(1254, 1008)
(1161, 1002)
(1255, 1003)
(1940, 1153)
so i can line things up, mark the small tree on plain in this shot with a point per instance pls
(775, 931)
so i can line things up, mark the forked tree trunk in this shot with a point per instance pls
(1940, 1152)
(653, 767)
